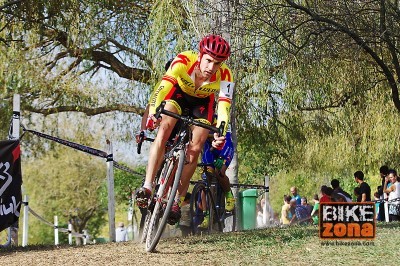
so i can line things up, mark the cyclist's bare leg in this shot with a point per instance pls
(195, 147)
(223, 179)
(157, 148)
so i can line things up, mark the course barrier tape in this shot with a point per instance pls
(266, 189)
(64, 230)
(84, 148)
(388, 201)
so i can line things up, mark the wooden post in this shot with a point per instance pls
(85, 237)
(15, 135)
(16, 116)
(386, 206)
(69, 233)
(56, 241)
(25, 222)
(110, 187)
(266, 207)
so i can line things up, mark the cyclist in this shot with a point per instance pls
(191, 82)
(219, 161)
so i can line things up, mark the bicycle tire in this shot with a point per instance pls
(146, 220)
(197, 214)
(146, 213)
(227, 219)
(218, 210)
(160, 214)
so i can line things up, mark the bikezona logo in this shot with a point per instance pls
(347, 220)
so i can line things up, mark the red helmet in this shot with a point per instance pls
(215, 46)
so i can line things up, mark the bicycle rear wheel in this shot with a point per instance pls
(227, 219)
(199, 206)
(168, 186)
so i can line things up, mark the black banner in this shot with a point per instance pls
(10, 183)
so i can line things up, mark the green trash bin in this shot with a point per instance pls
(248, 201)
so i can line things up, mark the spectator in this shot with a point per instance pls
(383, 172)
(326, 193)
(304, 203)
(377, 204)
(315, 210)
(285, 218)
(365, 189)
(394, 195)
(300, 214)
(339, 193)
(357, 194)
(260, 222)
(121, 235)
(295, 195)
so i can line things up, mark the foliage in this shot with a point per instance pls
(65, 183)
(125, 184)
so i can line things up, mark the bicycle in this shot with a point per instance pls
(168, 177)
(209, 192)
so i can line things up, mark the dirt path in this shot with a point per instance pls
(171, 252)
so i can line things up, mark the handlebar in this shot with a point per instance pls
(141, 139)
(160, 110)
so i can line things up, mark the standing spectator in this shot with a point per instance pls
(285, 217)
(383, 172)
(295, 195)
(339, 192)
(121, 235)
(365, 189)
(315, 210)
(394, 195)
(357, 194)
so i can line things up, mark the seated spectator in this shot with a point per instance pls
(394, 195)
(300, 214)
(304, 203)
(326, 193)
(285, 217)
(315, 210)
(121, 235)
(377, 205)
(338, 193)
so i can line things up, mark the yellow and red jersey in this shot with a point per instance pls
(181, 72)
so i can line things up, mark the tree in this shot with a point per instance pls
(84, 56)
(66, 184)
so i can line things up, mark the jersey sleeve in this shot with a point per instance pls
(167, 83)
(225, 97)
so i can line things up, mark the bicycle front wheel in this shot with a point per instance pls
(168, 186)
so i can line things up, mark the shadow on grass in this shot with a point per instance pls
(268, 236)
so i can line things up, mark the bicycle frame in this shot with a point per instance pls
(168, 178)
(214, 200)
